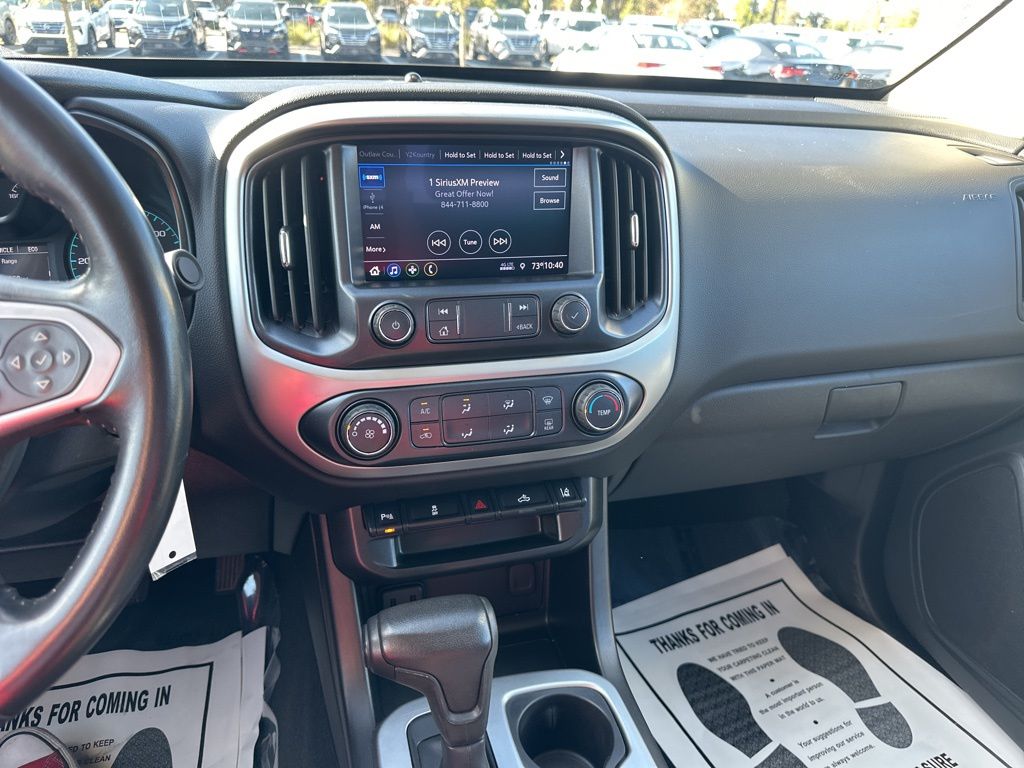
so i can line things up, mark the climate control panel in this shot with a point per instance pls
(457, 421)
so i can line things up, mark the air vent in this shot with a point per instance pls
(291, 248)
(633, 250)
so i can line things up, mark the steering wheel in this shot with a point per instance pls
(109, 349)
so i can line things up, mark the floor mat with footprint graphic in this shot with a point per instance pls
(751, 666)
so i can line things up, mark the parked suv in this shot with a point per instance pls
(8, 28)
(256, 29)
(348, 31)
(505, 36)
(41, 25)
(209, 12)
(566, 30)
(429, 33)
(119, 11)
(166, 26)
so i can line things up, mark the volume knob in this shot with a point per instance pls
(598, 408)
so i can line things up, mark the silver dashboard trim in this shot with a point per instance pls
(282, 389)
(392, 751)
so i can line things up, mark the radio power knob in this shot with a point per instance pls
(368, 430)
(598, 408)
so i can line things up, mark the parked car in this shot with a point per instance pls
(739, 57)
(875, 63)
(166, 26)
(504, 36)
(639, 20)
(634, 50)
(564, 30)
(348, 31)
(40, 25)
(706, 31)
(388, 14)
(119, 11)
(8, 27)
(209, 12)
(297, 14)
(428, 33)
(255, 28)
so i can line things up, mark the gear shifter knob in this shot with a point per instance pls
(443, 647)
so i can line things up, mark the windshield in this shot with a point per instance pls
(857, 44)
(254, 12)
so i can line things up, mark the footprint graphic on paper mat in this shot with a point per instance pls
(830, 660)
(148, 748)
(723, 711)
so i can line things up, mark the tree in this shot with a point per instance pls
(700, 9)
(774, 12)
(69, 29)
(747, 12)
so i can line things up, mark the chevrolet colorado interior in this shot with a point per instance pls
(646, 331)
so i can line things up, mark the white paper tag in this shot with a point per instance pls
(178, 544)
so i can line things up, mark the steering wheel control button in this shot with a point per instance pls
(598, 408)
(570, 314)
(43, 361)
(531, 498)
(368, 430)
(393, 325)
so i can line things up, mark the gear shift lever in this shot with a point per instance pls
(443, 647)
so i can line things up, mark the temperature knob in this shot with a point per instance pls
(368, 430)
(598, 408)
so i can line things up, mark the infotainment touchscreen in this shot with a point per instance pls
(443, 212)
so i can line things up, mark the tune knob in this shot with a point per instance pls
(598, 408)
(368, 430)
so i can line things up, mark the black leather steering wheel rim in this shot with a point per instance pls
(137, 381)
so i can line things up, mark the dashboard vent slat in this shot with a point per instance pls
(290, 233)
(633, 258)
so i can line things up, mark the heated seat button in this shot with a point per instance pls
(531, 498)
(511, 427)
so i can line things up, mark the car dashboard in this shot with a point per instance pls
(457, 318)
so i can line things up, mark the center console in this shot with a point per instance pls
(457, 313)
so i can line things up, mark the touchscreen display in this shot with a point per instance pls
(464, 211)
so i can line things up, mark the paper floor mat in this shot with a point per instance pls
(188, 707)
(750, 666)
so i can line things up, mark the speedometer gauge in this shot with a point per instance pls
(78, 258)
(11, 198)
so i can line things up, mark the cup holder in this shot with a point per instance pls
(566, 729)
